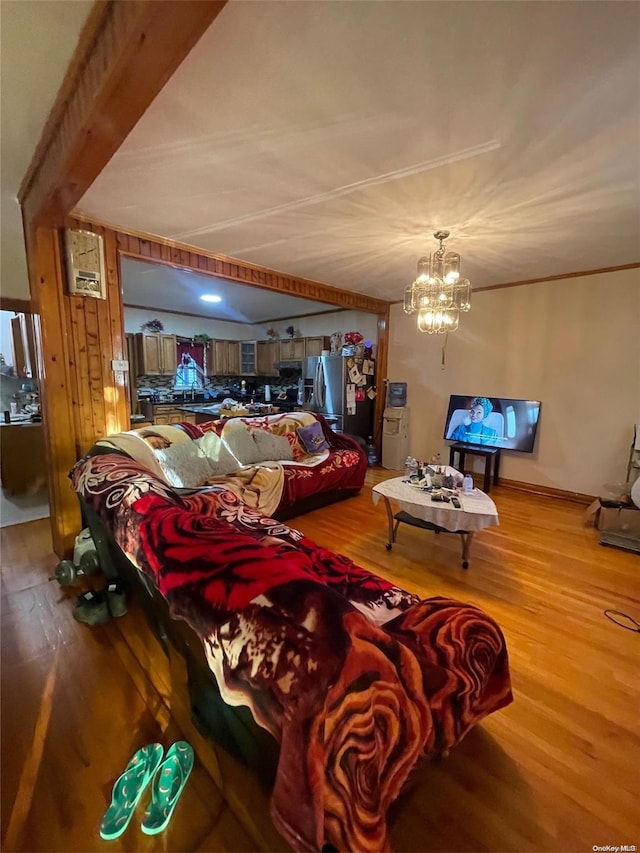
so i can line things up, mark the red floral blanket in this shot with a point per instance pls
(356, 678)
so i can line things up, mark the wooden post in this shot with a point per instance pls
(54, 374)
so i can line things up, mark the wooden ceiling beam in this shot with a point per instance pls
(127, 52)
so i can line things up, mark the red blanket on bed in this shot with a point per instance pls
(356, 678)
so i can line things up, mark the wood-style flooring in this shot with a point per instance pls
(556, 771)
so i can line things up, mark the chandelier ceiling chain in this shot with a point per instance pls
(438, 294)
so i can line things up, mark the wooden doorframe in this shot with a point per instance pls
(18, 306)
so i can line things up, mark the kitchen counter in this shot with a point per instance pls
(214, 411)
(21, 420)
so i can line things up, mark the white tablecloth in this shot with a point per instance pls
(477, 509)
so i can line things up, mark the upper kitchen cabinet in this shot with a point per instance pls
(292, 349)
(248, 358)
(314, 346)
(157, 354)
(267, 355)
(23, 345)
(223, 358)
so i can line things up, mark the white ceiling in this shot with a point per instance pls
(37, 40)
(172, 289)
(330, 139)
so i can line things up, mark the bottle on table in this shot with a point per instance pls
(467, 484)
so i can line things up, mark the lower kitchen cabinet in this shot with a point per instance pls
(23, 468)
(170, 414)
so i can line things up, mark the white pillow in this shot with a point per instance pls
(185, 465)
(271, 447)
(239, 440)
(221, 460)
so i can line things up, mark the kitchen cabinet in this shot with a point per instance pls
(292, 349)
(223, 358)
(268, 353)
(157, 354)
(315, 345)
(248, 358)
(23, 346)
(234, 358)
(23, 468)
(171, 414)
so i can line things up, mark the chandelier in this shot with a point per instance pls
(438, 294)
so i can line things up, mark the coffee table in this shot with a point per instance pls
(417, 509)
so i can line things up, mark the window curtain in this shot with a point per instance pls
(190, 371)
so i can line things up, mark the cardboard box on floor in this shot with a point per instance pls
(625, 520)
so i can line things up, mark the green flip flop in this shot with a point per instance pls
(170, 779)
(128, 789)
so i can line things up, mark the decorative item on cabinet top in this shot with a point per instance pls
(153, 326)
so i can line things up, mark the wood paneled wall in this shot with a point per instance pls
(96, 332)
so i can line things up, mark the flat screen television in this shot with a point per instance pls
(492, 422)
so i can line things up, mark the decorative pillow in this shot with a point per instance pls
(313, 438)
(239, 440)
(287, 425)
(221, 460)
(272, 448)
(184, 464)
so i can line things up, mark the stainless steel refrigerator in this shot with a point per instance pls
(325, 383)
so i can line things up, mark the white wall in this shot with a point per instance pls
(179, 324)
(325, 324)
(573, 343)
(322, 324)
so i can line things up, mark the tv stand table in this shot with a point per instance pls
(491, 456)
(418, 510)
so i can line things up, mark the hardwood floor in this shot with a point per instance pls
(556, 771)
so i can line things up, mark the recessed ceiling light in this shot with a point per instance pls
(210, 297)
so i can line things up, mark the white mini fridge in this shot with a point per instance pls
(395, 437)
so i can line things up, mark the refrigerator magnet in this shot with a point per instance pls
(359, 395)
(354, 374)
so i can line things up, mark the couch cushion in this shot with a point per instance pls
(271, 447)
(312, 438)
(184, 464)
(239, 439)
(221, 460)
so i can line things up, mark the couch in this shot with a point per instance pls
(264, 460)
(351, 678)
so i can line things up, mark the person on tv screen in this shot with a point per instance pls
(475, 432)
